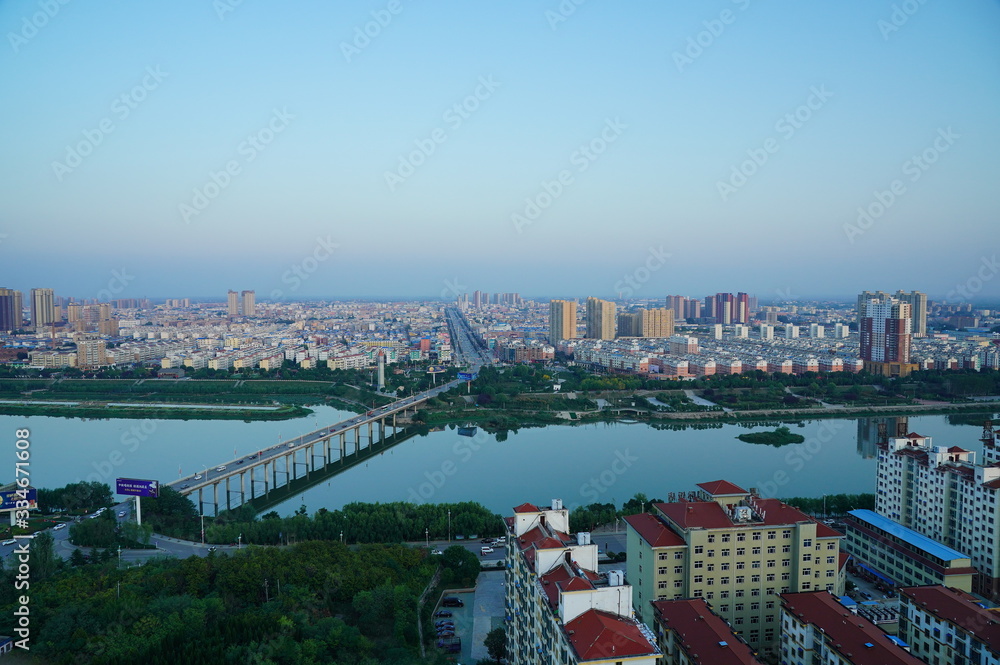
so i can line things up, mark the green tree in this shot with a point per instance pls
(496, 644)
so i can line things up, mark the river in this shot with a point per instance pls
(579, 464)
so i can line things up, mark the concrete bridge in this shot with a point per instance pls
(248, 477)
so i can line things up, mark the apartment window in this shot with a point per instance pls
(724, 609)
(711, 538)
(785, 577)
(831, 546)
(806, 586)
(755, 564)
(830, 573)
(699, 564)
(724, 580)
(787, 533)
(771, 563)
(723, 594)
(710, 553)
(698, 549)
(662, 585)
(807, 542)
(807, 557)
(754, 592)
(785, 549)
(771, 535)
(678, 555)
(807, 571)
(770, 590)
(755, 551)
(755, 579)
(710, 567)
(786, 563)
(770, 577)
(678, 570)
(725, 553)
(740, 565)
(741, 551)
(771, 549)
(662, 570)
(755, 619)
(754, 606)
(723, 566)
(770, 606)
(725, 537)
(756, 535)
(740, 579)
(698, 579)
(738, 621)
(663, 556)
(709, 581)
(829, 559)
(740, 537)
(739, 593)
(697, 593)
(710, 595)
(738, 607)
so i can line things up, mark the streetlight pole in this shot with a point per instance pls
(239, 542)
(427, 537)
(119, 557)
(449, 525)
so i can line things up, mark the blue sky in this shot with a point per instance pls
(364, 179)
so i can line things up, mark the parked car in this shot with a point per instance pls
(442, 613)
(121, 514)
(451, 601)
(9, 542)
(483, 551)
(436, 552)
(58, 526)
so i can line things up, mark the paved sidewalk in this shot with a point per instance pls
(488, 610)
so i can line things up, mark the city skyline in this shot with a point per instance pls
(573, 149)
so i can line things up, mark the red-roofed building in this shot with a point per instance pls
(689, 632)
(947, 624)
(736, 551)
(816, 625)
(559, 608)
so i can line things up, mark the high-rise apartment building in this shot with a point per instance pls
(678, 305)
(43, 310)
(600, 319)
(948, 626)
(233, 303)
(630, 324)
(562, 320)
(658, 322)
(942, 493)
(886, 337)
(249, 303)
(11, 309)
(560, 610)
(915, 299)
(735, 550)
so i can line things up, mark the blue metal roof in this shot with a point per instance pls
(919, 541)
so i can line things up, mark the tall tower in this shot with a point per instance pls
(381, 370)
(600, 319)
(886, 336)
(43, 310)
(11, 309)
(657, 323)
(249, 303)
(234, 303)
(562, 320)
(918, 310)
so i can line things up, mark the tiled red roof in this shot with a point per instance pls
(701, 633)
(527, 508)
(844, 558)
(599, 635)
(690, 514)
(960, 608)
(914, 435)
(576, 584)
(956, 449)
(653, 530)
(993, 484)
(846, 633)
(718, 487)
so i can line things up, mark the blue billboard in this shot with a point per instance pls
(137, 487)
(467, 376)
(9, 499)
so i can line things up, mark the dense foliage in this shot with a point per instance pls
(778, 437)
(832, 504)
(317, 602)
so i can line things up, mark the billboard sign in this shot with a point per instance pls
(9, 499)
(467, 376)
(137, 487)
(436, 369)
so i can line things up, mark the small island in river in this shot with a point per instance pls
(778, 437)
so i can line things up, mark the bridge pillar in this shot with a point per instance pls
(215, 496)
(201, 501)
(243, 486)
(289, 468)
(229, 505)
(370, 434)
(343, 445)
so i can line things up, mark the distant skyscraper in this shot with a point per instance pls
(11, 309)
(692, 309)
(562, 320)
(677, 304)
(657, 322)
(43, 310)
(477, 299)
(249, 303)
(886, 337)
(600, 319)
(916, 300)
(741, 308)
(724, 305)
(234, 303)
(629, 324)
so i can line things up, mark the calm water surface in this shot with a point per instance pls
(581, 464)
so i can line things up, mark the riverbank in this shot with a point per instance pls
(97, 410)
